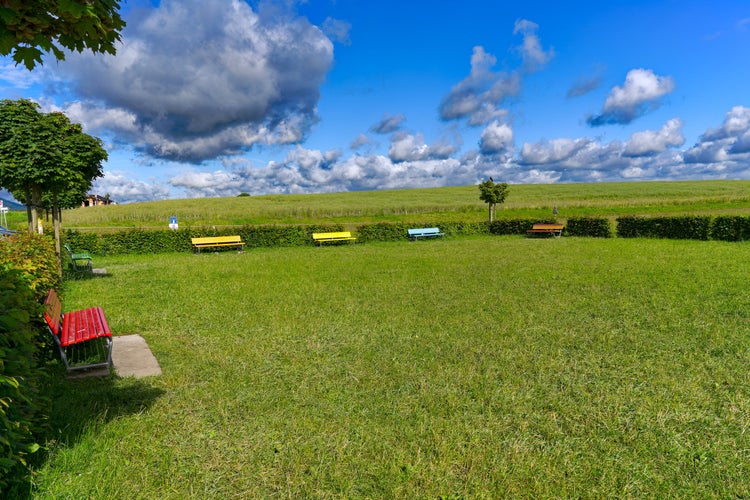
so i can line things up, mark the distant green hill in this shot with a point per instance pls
(428, 205)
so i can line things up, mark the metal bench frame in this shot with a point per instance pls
(88, 262)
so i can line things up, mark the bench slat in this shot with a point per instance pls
(53, 311)
(85, 324)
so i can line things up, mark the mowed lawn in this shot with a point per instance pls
(477, 367)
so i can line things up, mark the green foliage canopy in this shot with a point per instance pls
(28, 269)
(28, 28)
(45, 153)
(492, 193)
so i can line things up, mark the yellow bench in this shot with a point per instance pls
(320, 238)
(216, 242)
(546, 230)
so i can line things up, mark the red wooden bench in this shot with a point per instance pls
(83, 337)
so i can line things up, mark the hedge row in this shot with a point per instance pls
(28, 268)
(137, 241)
(729, 228)
(722, 228)
(588, 226)
(158, 241)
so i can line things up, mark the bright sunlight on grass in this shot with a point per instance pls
(480, 367)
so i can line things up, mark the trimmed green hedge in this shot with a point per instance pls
(19, 404)
(588, 226)
(511, 226)
(159, 241)
(678, 228)
(730, 228)
(28, 269)
(34, 256)
(137, 241)
(383, 231)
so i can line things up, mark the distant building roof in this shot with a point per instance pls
(94, 199)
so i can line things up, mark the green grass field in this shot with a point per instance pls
(475, 367)
(423, 205)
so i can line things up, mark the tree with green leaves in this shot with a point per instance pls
(44, 153)
(29, 28)
(492, 193)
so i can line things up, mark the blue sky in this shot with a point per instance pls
(218, 98)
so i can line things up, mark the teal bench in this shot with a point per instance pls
(425, 232)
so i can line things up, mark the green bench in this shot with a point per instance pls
(332, 237)
(216, 242)
(82, 261)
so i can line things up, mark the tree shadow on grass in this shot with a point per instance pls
(97, 273)
(75, 404)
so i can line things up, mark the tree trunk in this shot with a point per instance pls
(36, 212)
(29, 210)
(56, 226)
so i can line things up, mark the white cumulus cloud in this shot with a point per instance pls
(496, 138)
(655, 141)
(194, 80)
(640, 93)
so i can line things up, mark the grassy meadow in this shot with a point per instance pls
(424, 205)
(474, 367)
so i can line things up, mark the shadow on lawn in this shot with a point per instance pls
(70, 274)
(79, 404)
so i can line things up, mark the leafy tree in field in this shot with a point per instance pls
(45, 154)
(28, 28)
(493, 193)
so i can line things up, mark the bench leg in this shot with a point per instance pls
(95, 353)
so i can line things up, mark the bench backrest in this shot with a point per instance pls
(53, 311)
(333, 235)
(547, 226)
(423, 230)
(216, 239)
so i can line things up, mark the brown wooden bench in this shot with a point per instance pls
(83, 337)
(546, 230)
